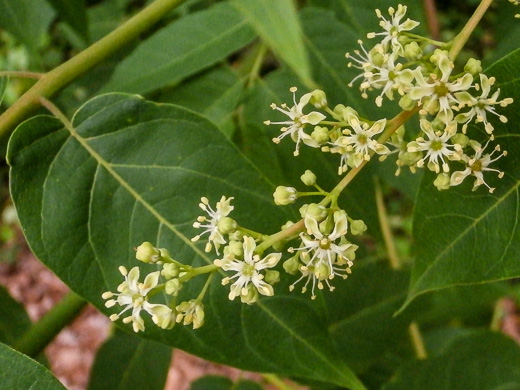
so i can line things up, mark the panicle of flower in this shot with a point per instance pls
(298, 120)
(324, 252)
(247, 268)
(217, 224)
(481, 105)
(477, 165)
(133, 296)
(393, 27)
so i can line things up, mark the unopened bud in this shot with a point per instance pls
(473, 66)
(285, 195)
(147, 253)
(357, 227)
(308, 178)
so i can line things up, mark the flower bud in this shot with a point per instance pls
(357, 227)
(318, 98)
(172, 287)
(272, 276)
(147, 253)
(413, 51)
(442, 182)
(460, 139)
(322, 272)
(227, 225)
(320, 134)
(292, 265)
(313, 210)
(406, 103)
(251, 295)
(285, 195)
(170, 270)
(234, 249)
(473, 66)
(308, 178)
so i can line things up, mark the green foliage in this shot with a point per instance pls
(479, 360)
(208, 36)
(479, 241)
(123, 362)
(125, 169)
(27, 20)
(21, 373)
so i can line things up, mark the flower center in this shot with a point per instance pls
(476, 166)
(441, 90)
(325, 243)
(362, 139)
(436, 145)
(248, 270)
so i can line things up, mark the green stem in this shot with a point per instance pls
(210, 268)
(277, 382)
(42, 332)
(417, 341)
(26, 75)
(58, 78)
(393, 257)
(460, 40)
(205, 288)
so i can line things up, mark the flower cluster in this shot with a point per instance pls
(402, 64)
(134, 296)
(318, 248)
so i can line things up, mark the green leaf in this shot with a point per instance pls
(14, 321)
(74, 13)
(27, 20)
(215, 382)
(480, 237)
(181, 49)
(276, 22)
(482, 360)
(128, 362)
(20, 372)
(214, 94)
(129, 171)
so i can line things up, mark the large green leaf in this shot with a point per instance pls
(130, 363)
(276, 22)
(20, 372)
(74, 13)
(482, 360)
(214, 94)
(14, 321)
(181, 49)
(466, 237)
(27, 20)
(214, 382)
(130, 171)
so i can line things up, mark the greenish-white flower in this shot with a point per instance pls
(477, 165)
(437, 147)
(211, 224)
(393, 27)
(248, 270)
(438, 94)
(133, 295)
(481, 105)
(298, 120)
(324, 253)
(190, 312)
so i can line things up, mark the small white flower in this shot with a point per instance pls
(441, 90)
(355, 146)
(298, 120)
(393, 27)
(211, 225)
(481, 105)
(190, 312)
(248, 270)
(322, 255)
(477, 165)
(437, 147)
(133, 296)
